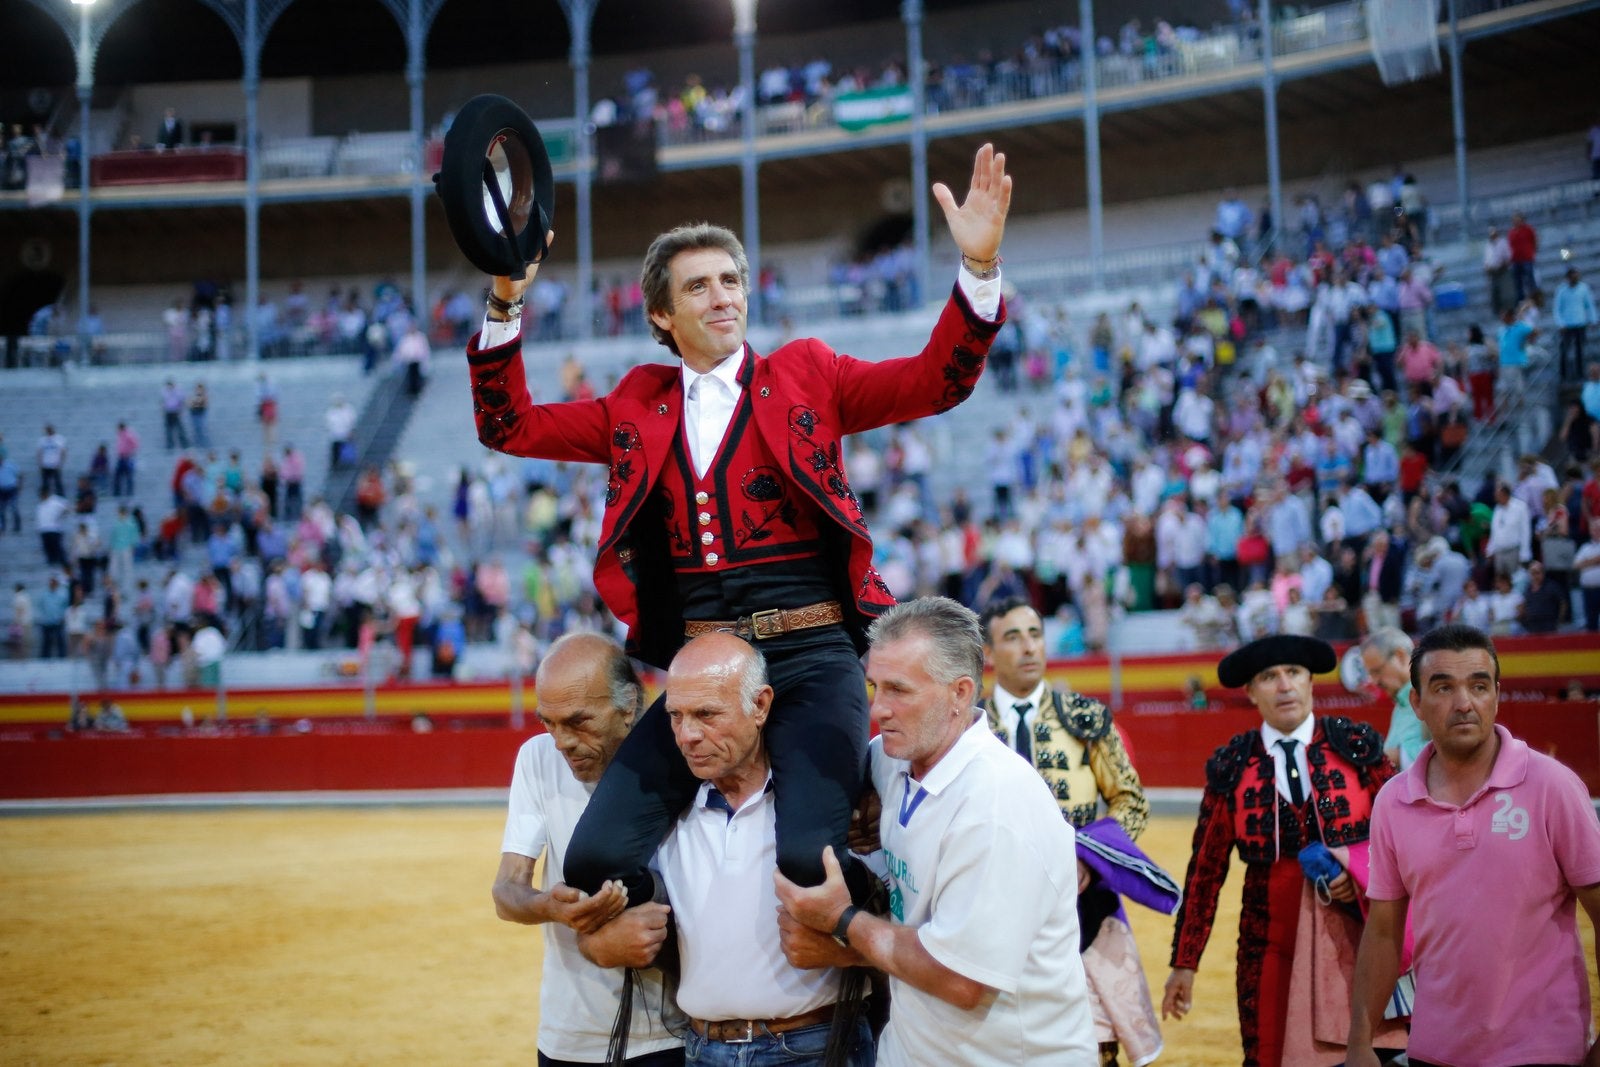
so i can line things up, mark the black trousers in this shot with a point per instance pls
(816, 738)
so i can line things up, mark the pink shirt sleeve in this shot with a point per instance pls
(1574, 830)
(1383, 875)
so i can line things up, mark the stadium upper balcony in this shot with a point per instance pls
(961, 98)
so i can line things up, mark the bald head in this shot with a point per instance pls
(589, 697)
(722, 658)
(717, 700)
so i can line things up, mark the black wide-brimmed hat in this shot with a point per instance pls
(496, 185)
(1243, 664)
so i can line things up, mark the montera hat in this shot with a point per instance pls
(496, 186)
(1242, 664)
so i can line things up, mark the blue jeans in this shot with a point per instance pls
(805, 1045)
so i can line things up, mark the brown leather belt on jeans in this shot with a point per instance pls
(744, 1031)
(770, 623)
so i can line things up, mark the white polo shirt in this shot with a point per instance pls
(577, 1000)
(718, 873)
(982, 864)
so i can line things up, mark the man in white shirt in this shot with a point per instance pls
(1510, 542)
(746, 1003)
(340, 420)
(982, 944)
(589, 697)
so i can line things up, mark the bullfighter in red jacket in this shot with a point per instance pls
(728, 507)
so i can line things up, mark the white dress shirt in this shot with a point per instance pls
(709, 400)
(1270, 736)
(1006, 704)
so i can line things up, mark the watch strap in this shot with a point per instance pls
(841, 929)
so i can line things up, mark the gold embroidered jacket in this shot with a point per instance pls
(1082, 760)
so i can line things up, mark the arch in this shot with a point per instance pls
(39, 44)
(210, 49)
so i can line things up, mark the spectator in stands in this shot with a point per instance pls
(50, 519)
(50, 613)
(1497, 270)
(413, 353)
(11, 488)
(170, 133)
(1552, 531)
(199, 407)
(19, 634)
(1516, 334)
(1586, 565)
(1574, 314)
(1524, 243)
(52, 457)
(340, 421)
(127, 460)
(1544, 603)
(1384, 561)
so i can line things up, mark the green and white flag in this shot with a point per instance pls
(857, 111)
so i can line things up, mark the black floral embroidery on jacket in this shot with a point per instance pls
(763, 486)
(625, 439)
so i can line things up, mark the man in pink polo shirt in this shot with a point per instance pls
(1491, 845)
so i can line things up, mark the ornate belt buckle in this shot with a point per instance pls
(767, 623)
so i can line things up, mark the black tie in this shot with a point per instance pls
(1023, 739)
(1297, 794)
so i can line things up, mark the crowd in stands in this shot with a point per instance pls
(1045, 62)
(1270, 460)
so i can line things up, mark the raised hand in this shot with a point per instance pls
(511, 289)
(979, 222)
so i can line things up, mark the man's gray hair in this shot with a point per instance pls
(1386, 642)
(655, 277)
(953, 632)
(751, 679)
(622, 681)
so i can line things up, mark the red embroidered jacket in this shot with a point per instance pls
(805, 398)
(1241, 808)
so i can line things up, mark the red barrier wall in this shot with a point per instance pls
(119, 765)
(472, 745)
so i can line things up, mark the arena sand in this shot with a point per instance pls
(322, 937)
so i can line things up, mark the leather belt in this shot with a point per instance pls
(744, 1031)
(760, 625)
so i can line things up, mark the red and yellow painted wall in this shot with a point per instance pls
(336, 747)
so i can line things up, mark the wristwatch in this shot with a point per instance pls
(841, 929)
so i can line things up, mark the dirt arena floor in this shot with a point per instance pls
(321, 937)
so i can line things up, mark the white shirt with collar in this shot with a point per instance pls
(577, 1000)
(718, 872)
(984, 868)
(1006, 704)
(1270, 736)
(706, 418)
(708, 406)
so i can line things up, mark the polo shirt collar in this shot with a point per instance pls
(710, 798)
(726, 372)
(961, 753)
(1510, 769)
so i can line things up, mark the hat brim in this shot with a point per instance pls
(1243, 664)
(496, 185)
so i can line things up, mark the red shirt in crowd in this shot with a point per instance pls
(1413, 468)
(1524, 243)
